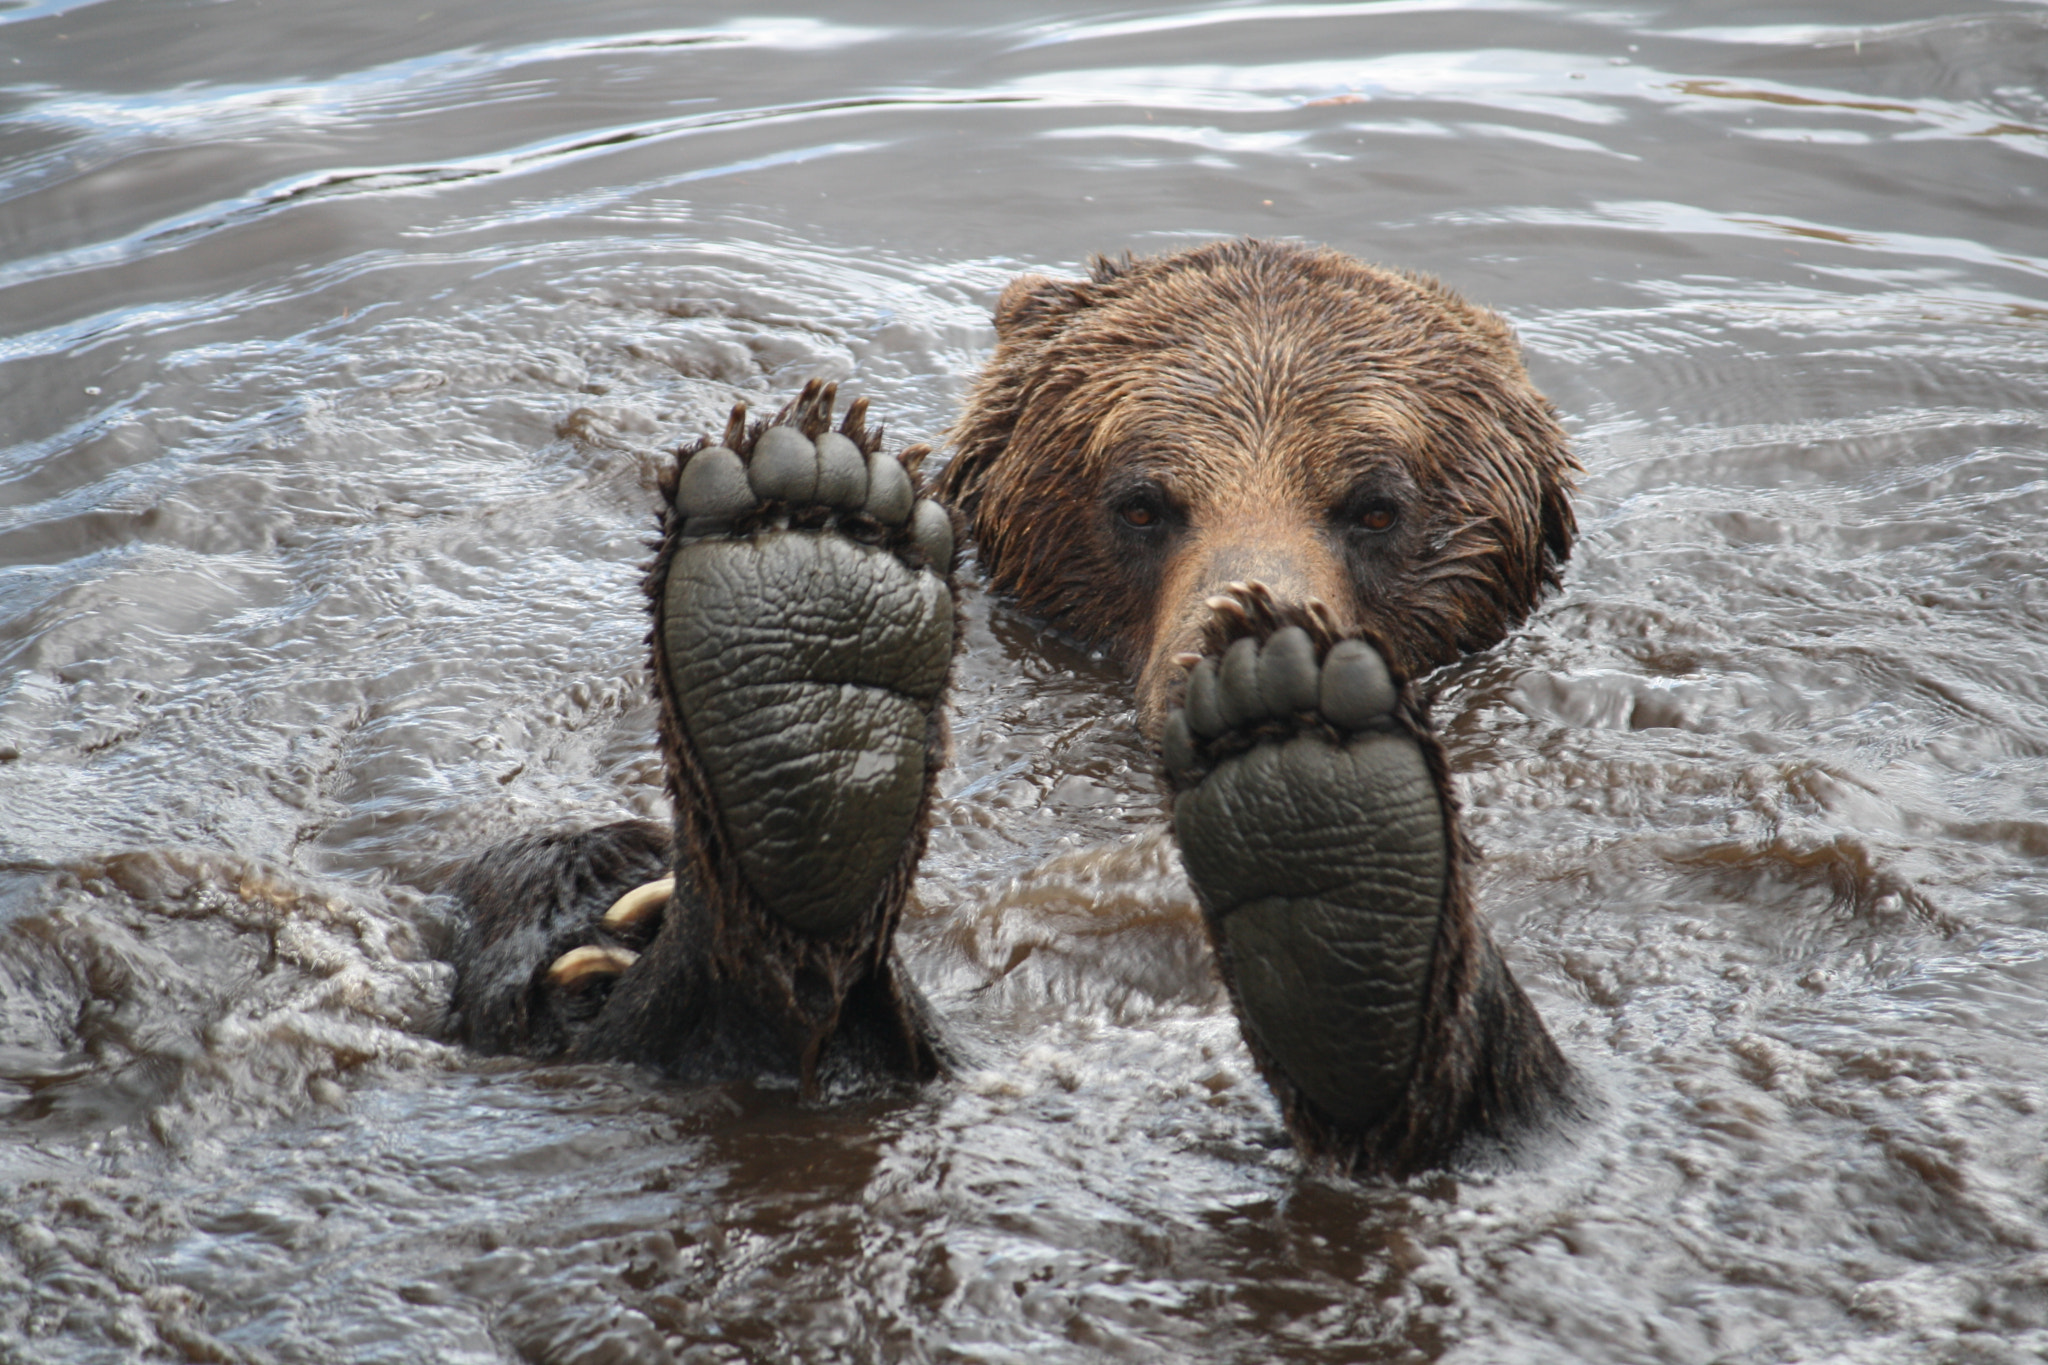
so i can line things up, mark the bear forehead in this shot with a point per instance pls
(1261, 306)
(1169, 413)
(1238, 411)
(1291, 356)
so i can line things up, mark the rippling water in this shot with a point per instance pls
(338, 347)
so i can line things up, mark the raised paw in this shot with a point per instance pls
(1315, 818)
(803, 635)
(803, 631)
(1311, 823)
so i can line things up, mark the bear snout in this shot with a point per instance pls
(1295, 564)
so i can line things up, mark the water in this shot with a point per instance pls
(338, 347)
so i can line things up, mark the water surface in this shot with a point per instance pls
(339, 348)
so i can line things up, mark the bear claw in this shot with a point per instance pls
(640, 906)
(579, 967)
(792, 471)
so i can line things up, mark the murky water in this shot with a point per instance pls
(338, 345)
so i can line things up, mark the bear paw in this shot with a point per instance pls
(1313, 822)
(803, 633)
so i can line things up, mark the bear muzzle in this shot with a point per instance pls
(1295, 566)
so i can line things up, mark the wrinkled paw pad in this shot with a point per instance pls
(1316, 836)
(805, 634)
(797, 472)
(1273, 689)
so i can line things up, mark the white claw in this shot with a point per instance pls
(637, 905)
(578, 965)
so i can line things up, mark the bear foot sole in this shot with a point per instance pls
(803, 615)
(1315, 819)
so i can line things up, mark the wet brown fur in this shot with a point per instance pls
(1269, 394)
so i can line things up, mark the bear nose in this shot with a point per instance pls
(1281, 567)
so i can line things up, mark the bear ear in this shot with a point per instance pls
(1032, 300)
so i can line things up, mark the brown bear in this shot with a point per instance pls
(1280, 483)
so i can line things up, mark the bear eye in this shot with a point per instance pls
(1378, 515)
(1142, 509)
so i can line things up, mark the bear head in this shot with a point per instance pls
(1253, 410)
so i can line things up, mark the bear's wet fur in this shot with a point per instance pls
(1142, 444)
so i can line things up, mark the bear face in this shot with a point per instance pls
(1260, 411)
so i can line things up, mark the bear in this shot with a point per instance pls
(1281, 485)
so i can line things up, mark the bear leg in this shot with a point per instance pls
(1315, 817)
(803, 634)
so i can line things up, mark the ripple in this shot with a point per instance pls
(338, 368)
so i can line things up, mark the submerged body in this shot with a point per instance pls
(1322, 476)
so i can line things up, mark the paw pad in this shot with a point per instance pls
(1317, 836)
(803, 636)
(1271, 688)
